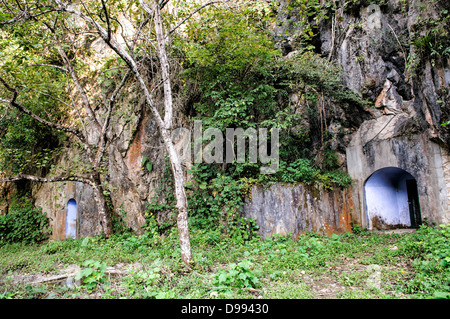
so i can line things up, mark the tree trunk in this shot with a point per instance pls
(102, 207)
(164, 125)
(181, 200)
(180, 194)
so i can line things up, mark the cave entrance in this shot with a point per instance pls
(392, 199)
(71, 219)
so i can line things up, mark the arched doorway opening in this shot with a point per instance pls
(392, 199)
(71, 219)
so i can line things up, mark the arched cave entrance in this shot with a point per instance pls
(71, 219)
(392, 200)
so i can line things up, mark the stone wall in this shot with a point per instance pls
(295, 209)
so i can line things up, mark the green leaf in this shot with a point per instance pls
(85, 242)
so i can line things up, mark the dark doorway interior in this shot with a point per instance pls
(413, 203)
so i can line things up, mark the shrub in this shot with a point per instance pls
(24, 223)
(238, 276)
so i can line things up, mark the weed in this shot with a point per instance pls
(93, 275)
(237, 276)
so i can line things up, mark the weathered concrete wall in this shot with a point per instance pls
(379, 144)
(53, 199)
(296, 209)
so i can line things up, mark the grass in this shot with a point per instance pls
(363, 265)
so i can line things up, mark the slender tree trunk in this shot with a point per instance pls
(102, 207)
(180, 194)
(181, 200)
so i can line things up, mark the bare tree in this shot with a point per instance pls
(95, 158)
(100, 24)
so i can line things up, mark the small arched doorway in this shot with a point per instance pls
(71, 219)
(392, 199)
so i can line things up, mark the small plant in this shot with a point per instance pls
(237, 276)
(358, 229)
(93, 275)
(146, 164)
(137, 285)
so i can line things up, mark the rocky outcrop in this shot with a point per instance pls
(374, 45)
(409, 94)
(384, 57)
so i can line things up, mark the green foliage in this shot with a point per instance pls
(431, 35)
(147, 164)
(92, 275)
(24, 223)
(302, 171)
(430, 248)
(298, 171)
(118, 222)
(139, 282)
(279, 267)
(308, 14)
(216, 203)
(161, 211)
(239, 79)
(237, 276)
(25, 144)
(230, 59)
(215, 195)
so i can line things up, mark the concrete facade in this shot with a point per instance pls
(54, 198)
(376, 146)
(296, 209)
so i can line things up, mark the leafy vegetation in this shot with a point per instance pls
(25, 143)
(232, 77)
(365, 265)
(93, 275)
(24, 223)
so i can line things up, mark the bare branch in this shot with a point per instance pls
(194, 12)
(111, 101)
(23, 109)
(50, 65)
(24, 15)
(33, 178)
(80, 88)
(124, 55)
(163, 3)
(107, 19)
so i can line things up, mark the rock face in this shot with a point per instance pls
(402, 142)
(400, 130)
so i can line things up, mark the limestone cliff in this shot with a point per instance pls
(383, 51)
(383, 48)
